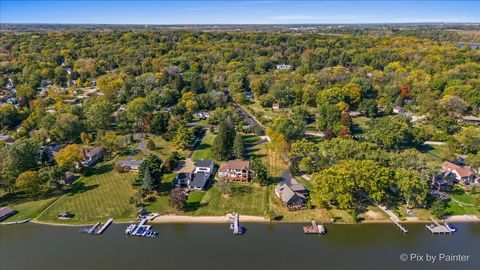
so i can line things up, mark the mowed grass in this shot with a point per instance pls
(204, 150)
(274, 163)
(467, 205)
(95, 198)
(163, 147)
(247, 199)
(30, 209)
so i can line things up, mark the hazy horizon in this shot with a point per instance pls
(237, 12)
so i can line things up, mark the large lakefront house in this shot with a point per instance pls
(463, 174)
(235, 170)
(198, 178)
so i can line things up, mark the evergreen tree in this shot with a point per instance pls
(223, 143)
(260, 172)
(147, 185)
(238, 146)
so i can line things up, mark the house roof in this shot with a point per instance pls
(235, 165)
(57, 147)
(199, 180)
(130, 162)
(204, 163)
(5, 138)
(462, 171)
(6, 210)
(470, 118)
(288, 179)
(286, 192)
(94, 152)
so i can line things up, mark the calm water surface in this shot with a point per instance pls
(212, 246)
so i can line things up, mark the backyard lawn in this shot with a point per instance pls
(163, 147)
(462, 203)
(95, 198)
(29, 209)
(247, 199)
(204, 150)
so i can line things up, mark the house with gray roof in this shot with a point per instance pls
(198, 179)
(92, 156)
(6, 212)
(293, 194)
(129, 165)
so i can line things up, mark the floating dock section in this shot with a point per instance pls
(105, 226)
(141, 229)
(93, 228)
(437, 228)
(314, 228)
(235, 226)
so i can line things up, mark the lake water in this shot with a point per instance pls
(212, 246)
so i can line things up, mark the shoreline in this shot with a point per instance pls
(182, 219)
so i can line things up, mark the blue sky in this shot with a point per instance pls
(237, 12)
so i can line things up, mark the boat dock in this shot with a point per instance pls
(399, 225)
(141, 229)
(437, 228)
(93, 228)
(235, 226)
(105, 226)
(393, 217)
(314, 228)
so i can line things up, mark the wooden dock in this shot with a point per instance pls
(437, 228)
(393, 218)
(399, 225)
(105, 226)
(314, 228)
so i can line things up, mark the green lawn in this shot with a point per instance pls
(29, 209)
(247, 199)
(467, 205)
(276, 166)
(96, 198)
(436, 153)
(204, 150)
(359, 124)
(163, 147)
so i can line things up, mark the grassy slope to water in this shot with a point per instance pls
(95, 198)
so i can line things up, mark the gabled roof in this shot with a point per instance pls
(131, 162)
(286, 192)
(6, 210)
(235, 165)
(199, 180)
(204, 163)
(94, 152)
(462, 171)
(471, 118)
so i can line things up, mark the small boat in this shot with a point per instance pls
(450, 227)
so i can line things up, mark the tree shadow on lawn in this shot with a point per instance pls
(203, 146)
(91, 171)
(80, 187)
(241, 190)
(20, 197)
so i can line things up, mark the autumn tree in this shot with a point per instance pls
(69, 156)
(183, 137)
(28, 181)
(110, 84)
